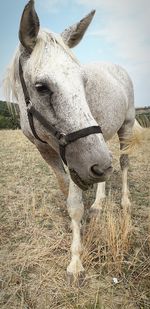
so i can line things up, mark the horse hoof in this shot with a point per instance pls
(76, 279)
(126, 204)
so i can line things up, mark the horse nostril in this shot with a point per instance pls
(95, 169)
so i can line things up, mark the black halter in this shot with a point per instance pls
(63, 139)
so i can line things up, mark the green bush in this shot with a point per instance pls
(8, 120)
(144, 119)
(8, 123)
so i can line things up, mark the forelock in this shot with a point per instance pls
(45, 38)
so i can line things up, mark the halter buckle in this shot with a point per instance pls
(29, 105)
(62, 139)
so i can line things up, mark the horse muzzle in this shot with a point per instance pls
(96, 175)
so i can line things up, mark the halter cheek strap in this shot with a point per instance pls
(62, 139)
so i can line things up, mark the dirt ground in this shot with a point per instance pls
(35, 235)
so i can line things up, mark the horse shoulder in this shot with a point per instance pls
(112, 96)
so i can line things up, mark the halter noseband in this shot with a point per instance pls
(62, 138)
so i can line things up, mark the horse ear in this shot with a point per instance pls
(73, 35)
(29, 27)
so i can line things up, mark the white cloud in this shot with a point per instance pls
(126, 24)
(126, 27)
(52, 6)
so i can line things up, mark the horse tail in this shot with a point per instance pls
(136, 138)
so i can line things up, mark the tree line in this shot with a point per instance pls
(10, 119)
(9, 116)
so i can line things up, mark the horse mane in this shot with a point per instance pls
(56, 41)
(44, 37)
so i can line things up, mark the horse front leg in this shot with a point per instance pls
(75, 269)
(100, 196)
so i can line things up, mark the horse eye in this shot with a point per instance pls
(43, 89)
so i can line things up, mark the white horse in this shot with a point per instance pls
(58, 95)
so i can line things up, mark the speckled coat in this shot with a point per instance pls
(72, 97)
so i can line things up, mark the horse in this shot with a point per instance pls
(69, 111)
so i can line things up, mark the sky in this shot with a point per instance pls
(119, 33)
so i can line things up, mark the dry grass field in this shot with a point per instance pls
(35, 235)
